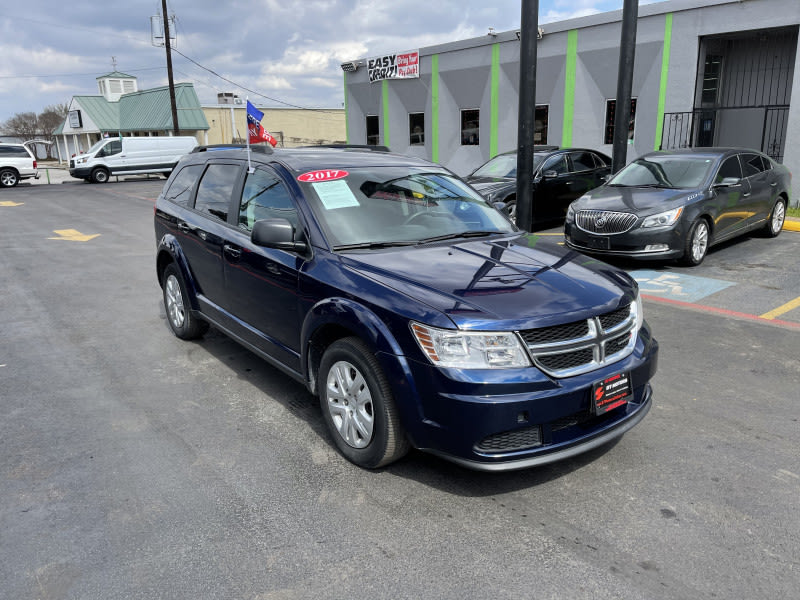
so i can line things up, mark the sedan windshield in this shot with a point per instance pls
(669, 171)
(505, 165)
(379, 207)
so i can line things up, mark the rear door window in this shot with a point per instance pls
(582, 161)
(216, 189)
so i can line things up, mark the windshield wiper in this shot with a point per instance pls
(463, 234)
(654, 185)
(373, 245)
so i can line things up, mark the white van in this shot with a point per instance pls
(130, 156)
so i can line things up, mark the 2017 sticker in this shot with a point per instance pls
(323, 175)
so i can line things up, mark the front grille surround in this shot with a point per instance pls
(608, 338)
(605, 222)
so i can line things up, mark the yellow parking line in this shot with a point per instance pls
(782, 309)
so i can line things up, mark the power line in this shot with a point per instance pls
(248, 89)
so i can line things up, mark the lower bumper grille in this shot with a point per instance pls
(511, 441)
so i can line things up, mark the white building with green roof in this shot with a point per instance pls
(122, 109)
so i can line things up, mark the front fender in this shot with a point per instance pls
(169, 251)
(345, 314)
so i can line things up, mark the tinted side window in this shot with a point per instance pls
(264, 196)
(752, 164)
(600, 161)
(180, 190)
(582, 161)
(729, 168)
(215, 190)
(557, 163)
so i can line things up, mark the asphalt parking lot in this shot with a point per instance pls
(135, 465)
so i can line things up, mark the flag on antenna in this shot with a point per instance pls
(256, 133)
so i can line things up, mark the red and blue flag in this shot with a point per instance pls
(256, 133)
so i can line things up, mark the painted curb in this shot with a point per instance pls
(791, 225)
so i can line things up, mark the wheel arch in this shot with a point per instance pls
(169, 252)
(336, 318)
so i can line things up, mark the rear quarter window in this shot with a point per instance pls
(181, 188)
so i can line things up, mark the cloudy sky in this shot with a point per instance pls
(278, 52)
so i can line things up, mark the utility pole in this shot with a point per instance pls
(526, 124)
(175, 127)
(622, 112)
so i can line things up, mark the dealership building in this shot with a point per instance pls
(706, 73)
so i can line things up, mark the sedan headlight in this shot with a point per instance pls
(570, 214)
(470, 350)
(664, 219)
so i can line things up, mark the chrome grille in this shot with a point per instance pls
(582, 346)
(510, 441)
(604, 221)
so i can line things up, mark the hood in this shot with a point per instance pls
(489, 186)
(640, 200)
(509, 283)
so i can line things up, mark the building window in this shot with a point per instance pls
(373, 132)
(540, 125)
(611, 106)
(470, 127)
(711, 75)
(416, 129)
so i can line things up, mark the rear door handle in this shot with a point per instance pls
(773, 184)
(184, 227)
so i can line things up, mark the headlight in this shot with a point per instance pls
(665, 219)
(470, 350)
(570, 213)
(637, 306)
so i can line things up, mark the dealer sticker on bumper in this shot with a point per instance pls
(612, 392)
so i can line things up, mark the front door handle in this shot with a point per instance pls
(184, 227)
(232, 251)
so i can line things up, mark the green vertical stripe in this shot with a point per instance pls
(385, 92)
(495, 100)
(569, 86)
(346, 116)
(662, 92)
(435, 108)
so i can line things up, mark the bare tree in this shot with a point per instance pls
(22, 125)
(50, 118)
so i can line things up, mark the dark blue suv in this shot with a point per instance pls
(417, 313)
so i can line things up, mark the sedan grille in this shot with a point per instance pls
(605, 221)
(582, 346)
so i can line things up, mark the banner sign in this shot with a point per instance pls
(394, 66)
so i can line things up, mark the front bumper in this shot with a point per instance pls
(515, 420)
(80, 172)
(637, 243)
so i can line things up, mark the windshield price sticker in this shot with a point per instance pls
(324, 175)
(611, 393)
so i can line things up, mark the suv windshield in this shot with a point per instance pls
(665, 171)
(396, 206)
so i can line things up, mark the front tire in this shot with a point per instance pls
(776, 218)
(99, 175)
(8, 178)
(358, 407)
(176, 302)
(696, 246)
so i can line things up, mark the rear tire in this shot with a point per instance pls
(776, 218)
(8, 178)
(358, 406)
(99, 175)
(696, 245)
(176, 303)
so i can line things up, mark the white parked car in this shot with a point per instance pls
(16, 162)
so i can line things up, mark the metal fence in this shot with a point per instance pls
(765, 128)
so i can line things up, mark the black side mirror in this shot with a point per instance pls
(276, 233)
(549, 174)
(728, 182)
